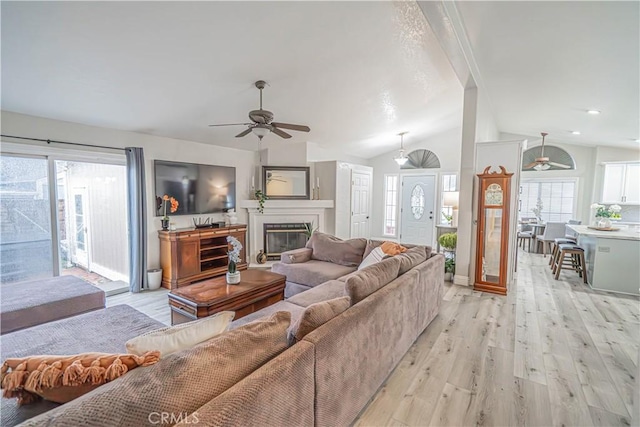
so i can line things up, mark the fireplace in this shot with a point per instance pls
(283, 237)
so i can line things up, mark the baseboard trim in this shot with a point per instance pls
(460, 280)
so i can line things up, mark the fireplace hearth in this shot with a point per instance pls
(282, 237)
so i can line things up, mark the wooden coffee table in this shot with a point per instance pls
(256, 290)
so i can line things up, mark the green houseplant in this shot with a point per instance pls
(448, 241)
(261, 198)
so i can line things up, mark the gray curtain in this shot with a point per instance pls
(137, 219)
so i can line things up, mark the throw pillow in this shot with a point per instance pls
(368, 280)
(181, 382)
(335, 250)
(63, 378)
(392, 248)
(180, 337)
(317, 315)
(411, 258)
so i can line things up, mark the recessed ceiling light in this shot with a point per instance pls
(637, 140)
(594, 112)
(575, 132)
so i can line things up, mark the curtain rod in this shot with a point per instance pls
(49, 141)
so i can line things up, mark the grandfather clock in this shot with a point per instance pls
(492, 244)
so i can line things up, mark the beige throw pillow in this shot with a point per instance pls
(181, 337)
(368, 280)
(317, 315)
(333, 249)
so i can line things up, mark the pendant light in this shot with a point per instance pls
(401, 159)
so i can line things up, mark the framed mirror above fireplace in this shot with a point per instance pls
(286, 182)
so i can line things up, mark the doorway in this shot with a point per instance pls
(360, 204)
(417, 209)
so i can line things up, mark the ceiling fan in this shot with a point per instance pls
(543, 163)
(262, 122)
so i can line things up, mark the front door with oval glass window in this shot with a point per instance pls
(417, 209)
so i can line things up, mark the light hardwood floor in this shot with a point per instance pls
(550, 353)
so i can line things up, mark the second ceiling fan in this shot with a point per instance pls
(543, 163)
(262, 121)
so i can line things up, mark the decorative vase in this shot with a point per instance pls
(154, 279)
(261, 258)
(233, 278)
(165, 224)
(232, 217)
(604, 223)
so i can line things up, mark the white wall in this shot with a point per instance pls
(445, 145)
(154, 148)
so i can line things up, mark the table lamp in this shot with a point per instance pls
(451, 199)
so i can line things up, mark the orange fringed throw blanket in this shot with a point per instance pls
(63, 378)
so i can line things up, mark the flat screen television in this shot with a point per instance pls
(199, 189)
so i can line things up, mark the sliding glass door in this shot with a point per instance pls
(86, 204)
(26, 249)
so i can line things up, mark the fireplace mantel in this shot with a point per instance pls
(287, 204)
(281, 211)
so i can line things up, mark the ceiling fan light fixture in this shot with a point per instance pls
(542, 167)
(401, 159)
(260, 131)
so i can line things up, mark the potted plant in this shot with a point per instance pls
(260, 197)
(309, 229)
(447, 218)
(449, 269)
(605, 214)
(448, 241)
(233, 275)
(163, 203)
(537, 211)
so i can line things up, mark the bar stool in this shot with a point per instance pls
(559, 241)
(571, 258)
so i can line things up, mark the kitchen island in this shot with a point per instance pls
(613, 258)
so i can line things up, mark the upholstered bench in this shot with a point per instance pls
(32, 303)
(103, 331)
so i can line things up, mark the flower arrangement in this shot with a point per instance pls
(234, 254)
(537, 211)
(447, 218)
(168, 201)
(602, 211)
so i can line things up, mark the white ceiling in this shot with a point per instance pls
(356, 72)
(544, 63)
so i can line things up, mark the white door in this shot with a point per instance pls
(360, 204)
(417, 209)
(80, 227)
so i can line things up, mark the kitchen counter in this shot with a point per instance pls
(625, 233)
(612, 258)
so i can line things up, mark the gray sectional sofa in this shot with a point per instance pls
(325, 379)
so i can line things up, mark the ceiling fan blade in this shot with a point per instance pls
(232, 124)
(560, 165)
(243, 133)
(531, 165)
(280, 133)
(300, 128)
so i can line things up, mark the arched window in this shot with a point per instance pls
(555, 154)
(421, 159)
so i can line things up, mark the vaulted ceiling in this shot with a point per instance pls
(357, 73)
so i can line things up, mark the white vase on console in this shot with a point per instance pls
(232, 217)
(604, 223)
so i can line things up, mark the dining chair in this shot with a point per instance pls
(552, 231)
